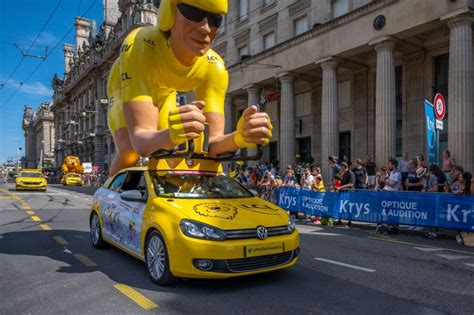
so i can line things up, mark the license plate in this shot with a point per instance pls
(264, 249)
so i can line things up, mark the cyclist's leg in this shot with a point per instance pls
(126, 155)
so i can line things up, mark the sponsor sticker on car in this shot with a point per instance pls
(262, 250)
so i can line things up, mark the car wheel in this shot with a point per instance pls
(96, 233)
(156, 257)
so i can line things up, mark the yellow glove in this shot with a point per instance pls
(186, 122)
(253, 128)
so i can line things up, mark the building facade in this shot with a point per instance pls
(80, 96)
(349, 77)
(39, 136)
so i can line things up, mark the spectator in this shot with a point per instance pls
(413, 183)
(333, 166)
(393, 183)
(318, 184)
(440, 177)
(252, 179)
(448, 164)
(429, 181)
(454, 185)
(421, 160)
(307, 179)
(465, 180)
(380, 178)
(264, 186)
(404, 169)
(371, 173)
(360, 174)
(347, 177)
(289, 180)
(336, 183)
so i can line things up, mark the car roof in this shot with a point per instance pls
(31, 170)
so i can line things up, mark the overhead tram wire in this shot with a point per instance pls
(33, 43)
(43, 60)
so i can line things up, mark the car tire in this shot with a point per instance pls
(156, 259)
(96, 232)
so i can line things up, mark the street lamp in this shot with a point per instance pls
(18, 161)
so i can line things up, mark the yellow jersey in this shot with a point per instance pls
(148, 70)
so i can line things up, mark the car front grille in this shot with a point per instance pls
(252, 233)
(252, 263)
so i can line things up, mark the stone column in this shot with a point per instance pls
(329, 114)
(229, 125)
(461, 91)
(253, 92)
(287, 139)
(385, 103)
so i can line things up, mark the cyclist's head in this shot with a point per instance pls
(169, 9)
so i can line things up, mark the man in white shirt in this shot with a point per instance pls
(307, 180)
(393, 182)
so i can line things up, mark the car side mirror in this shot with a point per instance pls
(133, 195)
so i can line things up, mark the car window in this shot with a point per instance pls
(117, 182)
(201, 186)
(135, 180)
(30, 174)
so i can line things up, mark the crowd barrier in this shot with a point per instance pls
(418, 209)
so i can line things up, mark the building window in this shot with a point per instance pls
(304, 150)
(399, 110)
(273, 152)
(301, 25)
(339, 7)
(243, 9)
(267, 2)
(242, 51)
(268, 40)
(344, 144)
(344, 94)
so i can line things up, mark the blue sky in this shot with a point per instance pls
(20, 23)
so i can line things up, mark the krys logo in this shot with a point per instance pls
(287, 201)
(354, 207)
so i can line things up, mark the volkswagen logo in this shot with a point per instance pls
(262, 232)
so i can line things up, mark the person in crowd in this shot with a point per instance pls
(413, 183)
(429, 181)
(440, 177)
(307, 179)
(360, 174)
(318, 184)
(347, 183)
(333, 166)
(421, 160)
(393, 182)
(289, 180)
(252, 179)
(465, 181)
(371, 172)
(404, 168)
(380, 178)
(336, 183)
(454, 185)
(448, 163)
(241, 177)
(264, 186)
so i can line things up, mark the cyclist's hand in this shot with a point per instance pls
(253, 128)
(186, 122)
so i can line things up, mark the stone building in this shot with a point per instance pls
(39, 136)
(350, 76)
(80, 96)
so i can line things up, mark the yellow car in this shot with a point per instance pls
(31, 179)
(72, 179)
(186, 219)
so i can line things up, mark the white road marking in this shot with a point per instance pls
(67, 251)
(470, 265)
(453, 257)
(345, 265)
(28, 193)
(325, 234)
(428, 249)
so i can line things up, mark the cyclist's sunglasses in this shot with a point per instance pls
(197, 15)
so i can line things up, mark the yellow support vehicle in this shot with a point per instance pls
(31, 179)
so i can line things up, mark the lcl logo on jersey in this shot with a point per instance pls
(124, 76)
(212, 59)
(125, 47)
(149, 42)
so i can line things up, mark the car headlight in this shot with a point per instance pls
(291, 224)
(200, 230)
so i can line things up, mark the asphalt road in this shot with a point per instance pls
(47, 266)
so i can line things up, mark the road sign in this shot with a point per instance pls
(439, 124)
(439, 106)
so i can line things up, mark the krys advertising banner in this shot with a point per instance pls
(431, 134)
(419, 209)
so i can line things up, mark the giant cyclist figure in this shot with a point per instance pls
(154, 63)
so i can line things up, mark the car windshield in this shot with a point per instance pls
(197, 185)
(30, 174)
(74, 175)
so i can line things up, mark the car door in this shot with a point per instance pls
(129, 214)
(109, 199)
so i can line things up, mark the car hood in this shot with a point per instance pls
(31, 179)
(229, 214)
